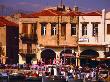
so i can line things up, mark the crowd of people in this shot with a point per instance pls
(70, 72)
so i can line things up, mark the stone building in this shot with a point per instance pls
(56, 35)
(107, 35)
(9, 43)
(65, 36)
(92, 35)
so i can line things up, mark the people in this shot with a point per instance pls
(3, 59)
(52, 71)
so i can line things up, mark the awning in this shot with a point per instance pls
(89, 54)
(102, 59)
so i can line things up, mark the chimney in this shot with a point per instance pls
(75, 9)
(61, 8)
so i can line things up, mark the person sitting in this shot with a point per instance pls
(52, 71)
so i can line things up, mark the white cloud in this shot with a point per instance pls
(28, 4)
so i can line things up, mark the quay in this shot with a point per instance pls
(56, 44)
(53, 73)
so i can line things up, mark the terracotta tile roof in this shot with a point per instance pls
(80, 13)
(1, 24)
(53, 12)
(27, 16)
(49, 12)
(94, 13)
(4, 22)
(72, 13)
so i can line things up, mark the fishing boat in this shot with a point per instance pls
(16, 77)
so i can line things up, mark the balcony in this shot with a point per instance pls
(107, 54)
(29, 38)
(25, 52)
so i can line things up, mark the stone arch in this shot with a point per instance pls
(67, 59)
(48, 56)
(87, 56)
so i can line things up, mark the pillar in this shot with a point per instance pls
(29, 28)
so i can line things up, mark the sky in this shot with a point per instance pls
(36, 5)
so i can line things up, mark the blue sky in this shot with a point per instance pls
(35, 5)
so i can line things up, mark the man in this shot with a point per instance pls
(3, 59)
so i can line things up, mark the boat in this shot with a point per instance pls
(33, 79)
(16, 77)
(3, 77)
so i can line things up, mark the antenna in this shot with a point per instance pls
(61, 3)
(75, 3)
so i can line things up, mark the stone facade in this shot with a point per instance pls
(90, 35)
(56, 41)
(9, 32)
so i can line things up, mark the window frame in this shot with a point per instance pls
(95, 29)
(108, 28)
(63, 29)
(73, 29)
(84, 29)
(53, 29)
(25, 28)
(43, 29)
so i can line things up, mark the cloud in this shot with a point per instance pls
(28, 4)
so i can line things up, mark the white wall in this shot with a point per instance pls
(107, 21)
(89, 19)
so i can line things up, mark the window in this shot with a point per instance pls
(53, 29)
(33, 30)
(73, 29)
(95, 29)
(108, 28)
(84, 29)
(43, 29)
(63, 29)
(25, 28)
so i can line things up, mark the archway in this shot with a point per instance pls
(48, 56)
(87, 56)
(67, 57)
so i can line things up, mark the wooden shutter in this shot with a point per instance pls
(108, 28)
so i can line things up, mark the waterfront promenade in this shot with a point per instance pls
(54, 73)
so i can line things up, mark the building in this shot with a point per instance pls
(27, 38)
(107, 34)
(15, 17)
(92, 34)
(64, 35)
(9, 34)
(56, 35)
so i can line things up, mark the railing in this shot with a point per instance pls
(25, 51)
(107, 54)
(29, 38)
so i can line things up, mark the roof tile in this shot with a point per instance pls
(4, 22)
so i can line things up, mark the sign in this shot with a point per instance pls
(83, 40)
(68, 55)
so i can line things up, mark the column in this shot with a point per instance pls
(78, 57)
(29, 28)
(21, 26)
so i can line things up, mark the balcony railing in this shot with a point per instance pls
(29, 38)
(25, 52)
(107, 54)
